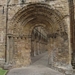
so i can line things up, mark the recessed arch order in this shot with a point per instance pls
(39, 13)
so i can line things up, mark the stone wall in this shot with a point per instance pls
(2, 31)
(22, 52)
(21, 45)
(60, 52)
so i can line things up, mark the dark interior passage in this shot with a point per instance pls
(39, 41)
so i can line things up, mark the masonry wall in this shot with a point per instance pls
(20, 45)
(2, 31)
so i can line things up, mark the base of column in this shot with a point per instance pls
(7, 66)
(68, 70)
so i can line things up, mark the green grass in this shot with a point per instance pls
(2, 72)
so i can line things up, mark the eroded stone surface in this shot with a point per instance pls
(52, 15)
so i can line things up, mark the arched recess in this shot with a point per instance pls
(22, 25)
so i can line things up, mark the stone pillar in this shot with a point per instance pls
(9, 52)
(38, 47)
(69, 66)
(70, 48)
(34, 48)
(41, 47)
(72, 28)
(44, 47)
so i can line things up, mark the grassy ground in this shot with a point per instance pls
(2, 72)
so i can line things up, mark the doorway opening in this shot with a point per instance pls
(38, 28)
(39, 41)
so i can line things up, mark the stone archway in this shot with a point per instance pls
(22, 25)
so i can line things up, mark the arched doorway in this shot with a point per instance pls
(29, 18)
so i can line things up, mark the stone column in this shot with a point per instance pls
(69, 66)
(41, 47)
(9, 51)
(34, 48)
(38, 47)
(72, 27)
